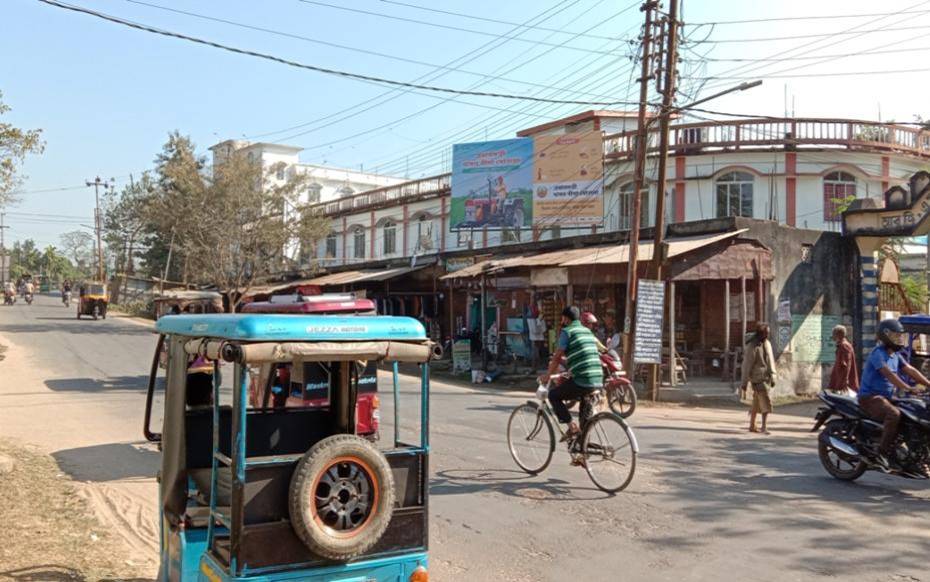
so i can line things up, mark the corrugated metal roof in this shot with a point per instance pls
(619, 254)
(346, 277)
(598, 255)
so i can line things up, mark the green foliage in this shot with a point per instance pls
(15, 145)
(26, 258)
(915, 288)
(226, 225)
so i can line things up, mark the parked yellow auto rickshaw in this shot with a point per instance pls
(93, 300)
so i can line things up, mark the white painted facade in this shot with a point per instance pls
(324, 183)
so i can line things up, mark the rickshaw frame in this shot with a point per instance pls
(194, 551)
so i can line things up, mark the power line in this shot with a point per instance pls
(485, 19)
(806, 75)
(443, 26)
(793, 18)
(798, 36)
(46, 190)
(315, 68)
(336, 45)
(817, 57)
(357, 108)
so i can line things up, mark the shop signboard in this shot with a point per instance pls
(492, 184)
(549, 277)
(541, 181)
(568, 180)
(454, 264)
(650, 304)
(461, 356)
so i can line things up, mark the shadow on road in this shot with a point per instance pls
(110, 461)
(54, 573)
(779, 484)
(109, 384)
(511, 483)
(85, 328)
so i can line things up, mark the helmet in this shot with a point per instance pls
(891, 334)
(588, 319)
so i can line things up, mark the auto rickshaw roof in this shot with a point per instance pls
(266, 327)
(919, 322)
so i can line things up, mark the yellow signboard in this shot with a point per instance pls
(568, 180)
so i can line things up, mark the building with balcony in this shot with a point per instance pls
(324, 183)
(773, 189)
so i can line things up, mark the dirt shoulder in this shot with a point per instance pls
(55, 535)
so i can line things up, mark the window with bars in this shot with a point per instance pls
(389, 238)
(358, 243)
(626, 207)
(839, 188)
(734, 194)
(331, 246)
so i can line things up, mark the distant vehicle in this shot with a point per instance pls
(93, 300)
(279, 385)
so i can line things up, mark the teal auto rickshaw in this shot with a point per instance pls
(250, 493)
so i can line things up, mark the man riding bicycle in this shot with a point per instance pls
(579, 347)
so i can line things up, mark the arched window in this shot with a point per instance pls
(389, 238)
(839, 189)
(358, 242)
(734, 194)
(331, 246)
(626, 207)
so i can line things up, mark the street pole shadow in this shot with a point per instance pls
(110, 462)
(511, 483)
(55, 573)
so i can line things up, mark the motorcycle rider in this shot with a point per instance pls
(28, 289)
(589, 320)
(577, 344)
(879, 380)
(9, 291)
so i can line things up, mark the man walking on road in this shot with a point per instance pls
(844, 378)
(759, 371)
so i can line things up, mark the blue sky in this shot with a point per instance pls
(107, 96)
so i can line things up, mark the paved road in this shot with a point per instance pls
(709, 501)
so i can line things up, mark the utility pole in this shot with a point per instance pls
(639, 177)
(4, 266)
(668, 98)
(98, 221)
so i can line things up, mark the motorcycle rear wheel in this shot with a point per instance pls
(622, 400)
(837, 467)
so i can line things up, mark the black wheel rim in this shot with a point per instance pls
(344, 497)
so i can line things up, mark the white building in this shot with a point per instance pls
(795, 171)
(324, 184)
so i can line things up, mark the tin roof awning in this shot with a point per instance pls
(366, 276)
(620, 254)
(597, 255)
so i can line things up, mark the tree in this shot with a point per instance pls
(126, 219)
(15, 145)
(232, 226)
(78, 246)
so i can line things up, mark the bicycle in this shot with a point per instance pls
(606, 446)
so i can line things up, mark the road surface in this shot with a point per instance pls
(709, 500)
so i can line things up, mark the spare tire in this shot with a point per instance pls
(341, 497)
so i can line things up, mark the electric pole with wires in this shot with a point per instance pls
(667, 88)
(639, 172)
(98, 221)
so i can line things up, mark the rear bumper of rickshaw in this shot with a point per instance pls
(378, 570)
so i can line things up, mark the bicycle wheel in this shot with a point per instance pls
(609, 450)
(622, 400)
(530, 437)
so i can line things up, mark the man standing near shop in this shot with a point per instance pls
(844, 379)
(579, 346)
(759, 372)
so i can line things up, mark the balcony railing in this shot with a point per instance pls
(748, 134)
(398, 192)
(735, 135)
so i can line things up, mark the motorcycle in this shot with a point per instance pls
(9, 298)
(28, 298)
(849, 441)
(621, 396)
(66, 298)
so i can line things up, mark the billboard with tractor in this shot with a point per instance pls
(524, 182)
(492, 184)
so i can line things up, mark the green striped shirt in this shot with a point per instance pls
(584, 362)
